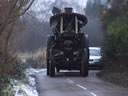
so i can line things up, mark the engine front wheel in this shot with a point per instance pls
(57, 70)
(84, 64)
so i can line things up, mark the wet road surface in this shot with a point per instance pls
(72, 84)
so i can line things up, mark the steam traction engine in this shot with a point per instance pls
(67, 47)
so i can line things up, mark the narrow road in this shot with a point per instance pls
(72, 84)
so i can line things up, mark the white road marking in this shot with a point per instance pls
(93, 94)
(81, 86)
(69, 80)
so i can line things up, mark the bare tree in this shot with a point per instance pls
(11, 10)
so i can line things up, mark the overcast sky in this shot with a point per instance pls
(39, 3)
(43, 8)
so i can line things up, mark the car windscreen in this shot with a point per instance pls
(95, 52)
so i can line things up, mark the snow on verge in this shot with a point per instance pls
(28, 89)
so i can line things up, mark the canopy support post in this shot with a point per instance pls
(61, 25)
(76, 24)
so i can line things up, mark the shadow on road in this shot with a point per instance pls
(75, 73)
(68, 74)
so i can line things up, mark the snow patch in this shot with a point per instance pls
(28, 89)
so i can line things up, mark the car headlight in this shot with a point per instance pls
(96, 60)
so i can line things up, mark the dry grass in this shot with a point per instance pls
(36, 59)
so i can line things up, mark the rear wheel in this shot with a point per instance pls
(51, 65)
(52, 69)
(49, 44)
(84, 63)
(48, 67)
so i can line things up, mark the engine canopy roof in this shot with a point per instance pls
(57, 17)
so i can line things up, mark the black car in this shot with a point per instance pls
(67, 46)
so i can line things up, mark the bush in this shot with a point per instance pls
(116, 39)
(19, 68)
(108, 17)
